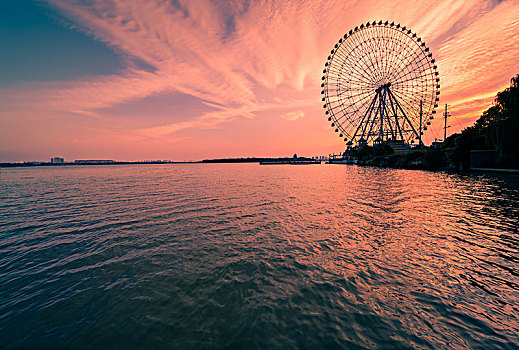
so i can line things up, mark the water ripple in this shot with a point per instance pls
(245, 256)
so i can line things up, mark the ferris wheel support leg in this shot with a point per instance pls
(388, 118)
(403, 113)
(382, 110)
(397, 125)
(377, 112)
(367, 114)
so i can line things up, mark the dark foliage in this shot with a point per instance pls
(375, 154)
(383, 155)
(497, 129)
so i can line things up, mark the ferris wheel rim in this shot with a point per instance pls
(343, 107)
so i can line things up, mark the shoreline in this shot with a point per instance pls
(44, 164)
(235, 161)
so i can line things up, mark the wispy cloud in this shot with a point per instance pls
(293, 115)
(238, 56)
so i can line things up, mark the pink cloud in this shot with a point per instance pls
(292, 116)
(266, 57)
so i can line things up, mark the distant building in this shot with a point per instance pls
(93, 161)
(398, 146)
(57, 160)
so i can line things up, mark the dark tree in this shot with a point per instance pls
(497, 128)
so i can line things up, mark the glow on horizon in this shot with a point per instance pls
(217, 79)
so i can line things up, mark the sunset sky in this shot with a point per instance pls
(194, 79)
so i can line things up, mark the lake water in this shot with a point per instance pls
(246, 256)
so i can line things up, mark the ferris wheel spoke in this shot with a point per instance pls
(344, 57)
(409, 89)
(361, 70)
(385, 56)
(413, 64)
(366, 59)
(351, 114)
(390, 59)
(356, 94)
(410, 106)
(412, 81)
(360, 99)
(410, 59)
(353, 94)
(363, 61)
(413, 78)
(396, 64)
(368, 49)
(352, 47)
(376, 52)
(351, 76)
(351, 72)
(420, 66)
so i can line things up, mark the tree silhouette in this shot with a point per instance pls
(497, 128)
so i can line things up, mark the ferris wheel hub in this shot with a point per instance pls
(383, 87)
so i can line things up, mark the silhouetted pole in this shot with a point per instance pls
(446, 114)
(421, 116)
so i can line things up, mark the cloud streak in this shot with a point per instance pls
(241, 57)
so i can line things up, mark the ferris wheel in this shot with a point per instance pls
(380, 83)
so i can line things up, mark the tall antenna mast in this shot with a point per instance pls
(446, 115)
(421, 116)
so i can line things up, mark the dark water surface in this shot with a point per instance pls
(248, 256)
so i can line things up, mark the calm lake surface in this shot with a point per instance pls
(246, 256)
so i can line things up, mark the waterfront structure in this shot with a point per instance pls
(94, 161)
(57, 160)
(292, 161)
(380, 84)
